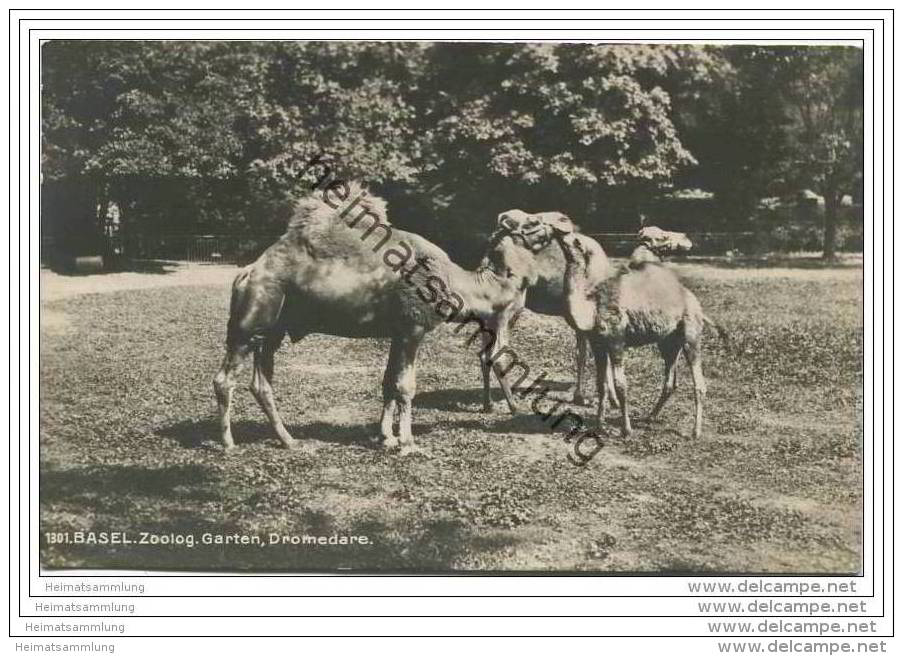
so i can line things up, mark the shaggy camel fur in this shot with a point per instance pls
(342, 269)
(646, 305)
(547, 296)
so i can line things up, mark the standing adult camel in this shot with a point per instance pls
(341, 269)
(547, 294)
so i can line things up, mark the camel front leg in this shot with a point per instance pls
(500, 344)
(390, 399)
(612, 397)
(603, 376)
(387, 423)
(406, 389)
(486, 369)
(582, 343)
(616, 355)
(608, 389)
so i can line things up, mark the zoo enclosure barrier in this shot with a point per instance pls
(242, 249)
(229, 249)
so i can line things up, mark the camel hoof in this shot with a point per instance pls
(294, 445)
(390, 443)
(626, 433)
(579, 399)
(514, 409)
(487, 408)
(230, 449)
(412, 450)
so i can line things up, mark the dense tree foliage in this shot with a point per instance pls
(216, 136)
(780, 119)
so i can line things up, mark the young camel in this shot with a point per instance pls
(637, 306)
(655, 242)
(333, 272)
(547, 294)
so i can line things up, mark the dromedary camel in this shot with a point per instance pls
(655, 242)
(635, 307)
(342, 269)
(547, 296)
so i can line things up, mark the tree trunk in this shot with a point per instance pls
(832, 203)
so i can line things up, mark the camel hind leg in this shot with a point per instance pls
(262, 388)
(224, 384)
(670, 350)
(254, 311)
(693, 354)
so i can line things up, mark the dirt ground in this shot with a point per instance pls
(129, 440)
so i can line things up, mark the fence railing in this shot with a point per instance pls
(704, 243)
(241, 249)
(231, 249)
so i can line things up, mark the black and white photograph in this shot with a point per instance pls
(452, 306)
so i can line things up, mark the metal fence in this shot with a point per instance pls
(231, 249)
(240, 249)
(704, 243)
(467, 249)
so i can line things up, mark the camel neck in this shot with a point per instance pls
(484, 290)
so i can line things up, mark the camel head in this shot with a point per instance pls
(537, 230)
(512, 220)
(663, 241)
(557, 222)
(510, 257)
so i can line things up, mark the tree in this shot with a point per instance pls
(824, 105)
(551, 125)
(779, 119)
(186, 135)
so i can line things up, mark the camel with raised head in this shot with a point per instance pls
(655, 242)
(342, 269)
(547, 294)
(635, 307)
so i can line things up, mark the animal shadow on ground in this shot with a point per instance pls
(147, 266)
(531, 423)
(194, 434)
(161, 267)
(463, 400)
(100, 487)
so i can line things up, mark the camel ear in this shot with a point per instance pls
(561, 228)
(510, 220)
(559, 222)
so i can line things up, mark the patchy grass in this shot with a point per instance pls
(128, 443)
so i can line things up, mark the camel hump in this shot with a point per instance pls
(336, 202)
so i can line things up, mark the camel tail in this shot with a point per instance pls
(722, 332)
(236, 306)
